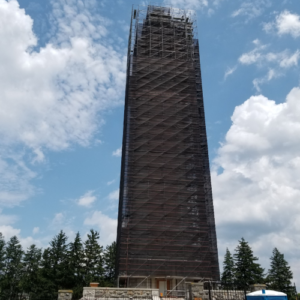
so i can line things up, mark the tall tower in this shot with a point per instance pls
(166, 228)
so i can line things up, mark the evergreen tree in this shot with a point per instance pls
(94, 270)
(110, 264)
(247, 271)
(47, 288)
(227, 279)
(31, 264)
(2, 262)
(59, 260)
(280, 275)
(60, 266)
(54, 271)
(12, 269)
(76, 270)
(292, 294)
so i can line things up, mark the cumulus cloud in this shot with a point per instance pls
(62, 86)
(87, 199)
(52, 97)
(8, 231)
(285, 23)
(117, 152)
(106, 225)
(255, 178)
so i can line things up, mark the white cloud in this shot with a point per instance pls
(251, 9)
(106, 225)
(7, 219)
(62, 88)
(87, 199)
(208, 5)
(124, 25)
(58, 219)
(39, 156)
(254, 55)
(257, 82)
(250, 57)
(8, 231)
(190, 4)
(110, 182)
(74, 18)
(288, 62)
(229, 71)
(114, 196)
(285, 23)
(35, 230)
(276, 63)
(117, 152)
(257, 191)
(29, 240)
(62, 221)
(15, 179)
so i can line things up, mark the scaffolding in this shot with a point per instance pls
(166, 223)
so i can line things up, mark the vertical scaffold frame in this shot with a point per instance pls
(166, 223)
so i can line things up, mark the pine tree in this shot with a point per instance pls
(94, 267)
(59, 264)
(247, 272)
(280, 275)
(12, 268)
(31, 264)
(47, 287)
(62, 265)
(292, 294)
(110, 264)
(76, 270)
(2, 262)
(227, 279)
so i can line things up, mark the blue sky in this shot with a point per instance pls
(62, 83)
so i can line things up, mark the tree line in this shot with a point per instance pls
(242, 269)
(41, 273)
